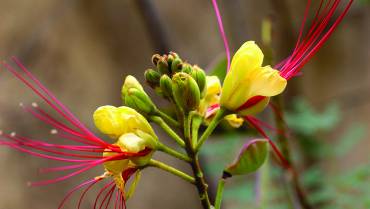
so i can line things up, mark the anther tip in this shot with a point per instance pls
(53, 131)
(34, 104)
(12, 134)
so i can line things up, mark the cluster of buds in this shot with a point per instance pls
(177, 80)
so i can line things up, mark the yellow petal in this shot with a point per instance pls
(115, 122)
(266, 82)
(213, 85)
(246, 59)
(107, 120)
(116, 167)
(234, 121)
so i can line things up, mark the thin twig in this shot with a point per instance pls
(154, 25)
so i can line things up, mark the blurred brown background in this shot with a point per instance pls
(81, 50)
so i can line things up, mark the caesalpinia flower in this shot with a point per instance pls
(134, 143)
(248, 86)
(247, 81)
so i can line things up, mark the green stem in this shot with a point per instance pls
(218, 117)
(172, 152)
(264, 185)
(168, 118)
(196, 122)
(220, 191)
(200, 182)
(165, 167)
(168, 130)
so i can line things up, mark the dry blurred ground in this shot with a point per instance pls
(83, 49)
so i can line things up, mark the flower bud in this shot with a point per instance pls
(140, 101)
(251, 157)
(200, 77)
(162, 66)
(234, 121)
(166, 86)
(176, 65)
(152, 77)
(185, 91)
(187, 68)
(155, 59)
(174, 54)
(133, 95)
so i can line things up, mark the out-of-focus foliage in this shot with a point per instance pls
(365, 1)
(343, 189)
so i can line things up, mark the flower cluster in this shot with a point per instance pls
(195, 97)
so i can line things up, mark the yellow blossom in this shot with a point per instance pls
(247, 79)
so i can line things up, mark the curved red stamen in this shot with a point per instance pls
(222, 32)
(318, 33)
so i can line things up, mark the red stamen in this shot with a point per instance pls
(73, 190)
(276, 150)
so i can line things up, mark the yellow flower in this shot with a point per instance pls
(212, 97)
(116, 121)
(247, 79)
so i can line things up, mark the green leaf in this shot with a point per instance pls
(250, 158)
(352, 137)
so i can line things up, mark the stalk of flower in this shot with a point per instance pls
(133, 147)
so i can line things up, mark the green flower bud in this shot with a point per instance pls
(134, 96)
(166, 86)
(200, 77)
(162, 66)
(155, 59)
(185, 91)
(170, 58)
(187, 68)
(152, 77)
(139, 101)
(176, 65)
(174, 54)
